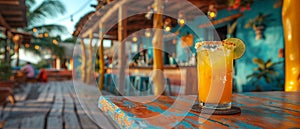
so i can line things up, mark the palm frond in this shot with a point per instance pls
(259, 62)
(48, 8)
(252, 75)
(232, 27)
(268, 80)
(29, 3)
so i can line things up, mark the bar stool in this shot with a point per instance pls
(130, 84)
(112, 84)
(141, 83)
(107, 78)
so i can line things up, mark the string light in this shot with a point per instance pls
(181, 22)
(27, 45)
(181, 19)
(168, 28)
(46, 34)
(148, 33)
(134, 39)
(212, 12)
(54, 41)
(167, 25)
(36, 47)
(40, 35)
(34, 30)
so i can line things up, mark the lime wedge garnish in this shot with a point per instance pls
(239, 47)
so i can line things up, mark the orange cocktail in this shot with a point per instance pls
(215, 67)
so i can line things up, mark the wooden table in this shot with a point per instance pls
(259, 110)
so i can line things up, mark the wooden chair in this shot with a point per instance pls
(6, 88)
(5, 93)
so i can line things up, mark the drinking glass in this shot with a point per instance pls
(215, 67)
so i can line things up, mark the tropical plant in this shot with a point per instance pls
(231, 28)
(258, 24)
(38, 14)
(5, 71)
(43, 34)
(260, 20)
(264, 70)
(70, 40)
(42, 64)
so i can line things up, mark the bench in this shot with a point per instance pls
(58, 75)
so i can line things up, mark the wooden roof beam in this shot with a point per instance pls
(222, 20)
(3, 22)
(10, 2)
(12, 12)
(14, 19)
(104, 18)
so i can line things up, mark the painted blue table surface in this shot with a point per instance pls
(259, 110)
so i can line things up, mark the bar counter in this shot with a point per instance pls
(183, 79)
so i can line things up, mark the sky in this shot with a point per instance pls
(77, 8)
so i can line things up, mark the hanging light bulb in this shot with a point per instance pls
(134, 39)
(147, 33)
(27, 45)
(181, 22)
(34, 30)
(168, 28)
(46, 34)
(149, 13)
(54, 41)
(167, 25)
(36, 47)
(212, 12)
(181, 19)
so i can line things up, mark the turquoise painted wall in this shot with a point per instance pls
(265, 48)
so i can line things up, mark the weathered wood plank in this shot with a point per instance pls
(21, 96)
(13, 124)
(44, 89)
(287, 97)
(85, 121)
(88, 96)
(70, 118)
(55, 118)
(154, 114)
(256, 113)
(33, 122)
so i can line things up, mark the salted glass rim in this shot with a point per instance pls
(213, 45)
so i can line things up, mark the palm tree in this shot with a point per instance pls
(36, 15)
(43, 34)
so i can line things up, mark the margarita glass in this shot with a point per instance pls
(215, 70)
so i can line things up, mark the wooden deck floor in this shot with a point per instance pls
(47, 106)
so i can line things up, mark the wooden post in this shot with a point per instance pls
(291, 26)
(122, 34)
(90, 65)
(157, 76)
(83, 61)
(7, 57)
(101, 57)
(16, 39)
